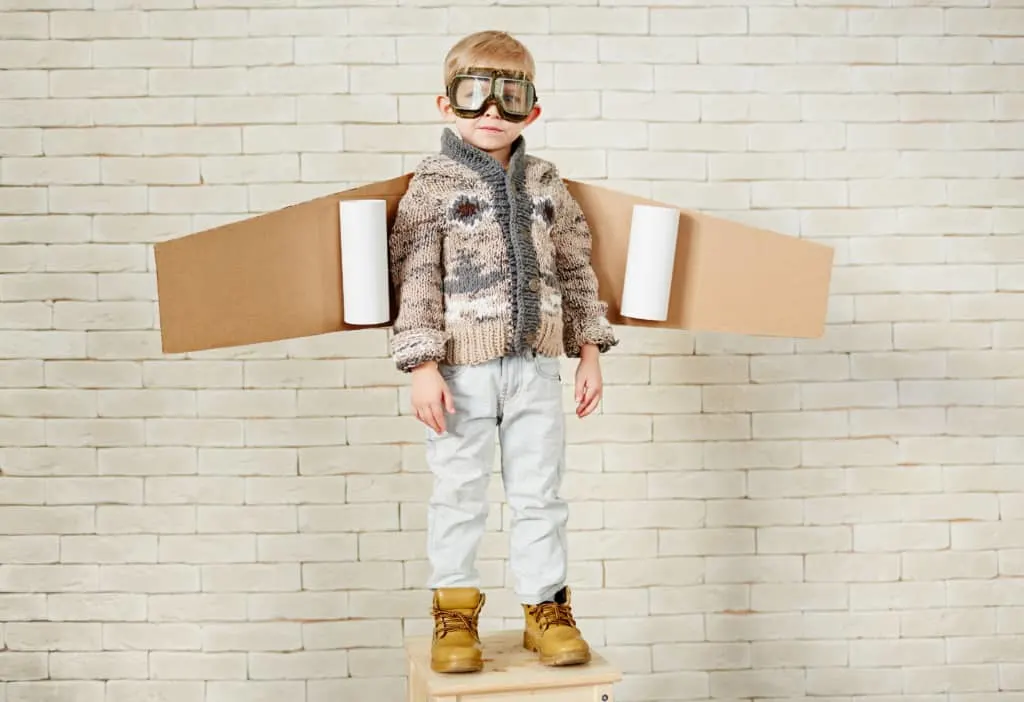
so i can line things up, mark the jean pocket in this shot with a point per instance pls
(450, 371)
(548, 367)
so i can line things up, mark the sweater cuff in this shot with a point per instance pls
(597, 331)
(416, 346)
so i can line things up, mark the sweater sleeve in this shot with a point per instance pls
(416, 271)
(584, 314)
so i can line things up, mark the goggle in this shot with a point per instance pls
(471, 91)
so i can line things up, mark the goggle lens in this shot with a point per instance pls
(514, 96)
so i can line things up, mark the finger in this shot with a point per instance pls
(590, 400)
(592, 404)
(421, 417)
(581, 389)
(449, 401)
(424, 416)
(437, 412)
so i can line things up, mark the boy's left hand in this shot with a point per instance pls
(589, 385)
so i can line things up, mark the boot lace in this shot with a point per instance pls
(450, 620)
(550, 614)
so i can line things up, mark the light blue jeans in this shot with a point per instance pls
(520, 398)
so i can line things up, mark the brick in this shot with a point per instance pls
(698, 598)
(195, 432)
(299, 665)
(174, 665)
(695, 484)
(900, 595)
(140, 53)
(29, 548)
(146, 461)
(259, 636)
(854, 681)
(745, 569)
(347, 50)
(600, 20)
(141, 548)
(197, 607)
(246, 519)
(298, 22)
(360, 688)
(330, 167)
(20, 142)
(949, 565)
(903, 537)
(253, 690)
(786, 597)
(512, 19)
(746, 50)
(896, 22)
(85, 607)
(676, 21)
(191, 374)
(796, 654)
(753, 626)
(692, 542)
(155, 690)
(646, 49)
(306, 547)
(21, 373)
(123, 519)
(25, 25)
(363, 21)
(78, 690)
(49, 578)
(149, 578)
(833, 625)
(24, 53)
(951, 678)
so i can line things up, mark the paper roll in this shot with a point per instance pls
(364, 261)
(650, 258)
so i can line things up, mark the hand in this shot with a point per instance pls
(589, 385)
(431, 396)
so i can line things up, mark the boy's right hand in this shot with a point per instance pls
(431, 396)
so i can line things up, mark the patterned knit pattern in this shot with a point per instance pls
(488, 262)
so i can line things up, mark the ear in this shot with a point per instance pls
(532, 117)
(444, 106)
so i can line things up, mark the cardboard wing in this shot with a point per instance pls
(279, 275)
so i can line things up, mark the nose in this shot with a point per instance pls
(492, 110)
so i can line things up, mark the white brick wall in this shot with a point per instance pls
(839, 519)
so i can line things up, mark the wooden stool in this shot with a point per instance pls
(509, 672)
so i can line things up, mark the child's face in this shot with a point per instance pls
(489, 131)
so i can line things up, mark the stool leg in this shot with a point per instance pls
(415, 690)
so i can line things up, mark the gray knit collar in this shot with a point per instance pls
(479, 160)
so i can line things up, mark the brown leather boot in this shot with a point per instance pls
(551, 632)
(456, 644)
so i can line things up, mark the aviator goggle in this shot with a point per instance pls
(472, 90)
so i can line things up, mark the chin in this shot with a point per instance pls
(490, 140)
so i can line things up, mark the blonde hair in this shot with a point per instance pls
(490, 48)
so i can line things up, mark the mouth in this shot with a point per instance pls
(494, 130)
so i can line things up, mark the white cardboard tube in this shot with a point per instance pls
(364, 261)
(650, 259)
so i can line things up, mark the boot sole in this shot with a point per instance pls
(468, 667)
(558, 659)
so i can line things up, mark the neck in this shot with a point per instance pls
(502, 156)
(506, 159)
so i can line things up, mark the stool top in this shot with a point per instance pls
(507, 667)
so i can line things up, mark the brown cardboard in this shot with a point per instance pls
(278, 275)
(728, 277)
(270, 277)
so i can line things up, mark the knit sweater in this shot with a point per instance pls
(487, 262)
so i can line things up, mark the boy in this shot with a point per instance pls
(490, 258)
